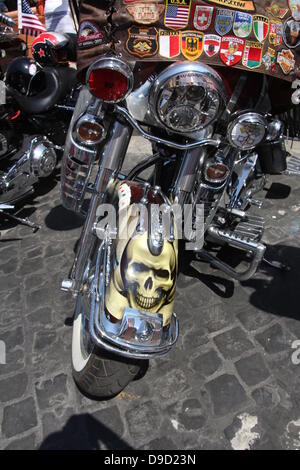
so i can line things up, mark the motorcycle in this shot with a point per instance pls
(215, 134)
(11, 45)
(40, 96)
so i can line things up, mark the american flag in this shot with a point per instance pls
(28, 21)
(177, 16)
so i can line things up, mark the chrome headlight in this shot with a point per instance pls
(187, 97)
(247, 130)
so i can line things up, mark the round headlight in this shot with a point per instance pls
(247, 131)
(187, 97)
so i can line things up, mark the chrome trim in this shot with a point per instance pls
(30, 166)
(168, 143)
(253, 118)
(114, 64)
(109, 335)
(91, 119)
(243, 243)
(209, 75)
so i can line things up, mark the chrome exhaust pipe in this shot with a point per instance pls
(242, 243)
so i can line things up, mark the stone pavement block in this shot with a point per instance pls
(266, 396)
(252, 369)
(226, 394)
(41, 317)
(233, 343)
(192, 416)
(13, 387)
(19, 417)
(274, 339)
(28, 443)
(253, 319)
(52, 393)
(206, 364)
(137, 417)
(105, 429)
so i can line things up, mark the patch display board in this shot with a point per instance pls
(262, 36)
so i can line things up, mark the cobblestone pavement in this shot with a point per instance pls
(228, 383)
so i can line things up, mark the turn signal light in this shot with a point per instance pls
(89, 131)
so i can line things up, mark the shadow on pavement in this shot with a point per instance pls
(61, 219)
(84, 432)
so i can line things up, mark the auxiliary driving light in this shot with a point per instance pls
(247, 130)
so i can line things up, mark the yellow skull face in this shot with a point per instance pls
(148, 279)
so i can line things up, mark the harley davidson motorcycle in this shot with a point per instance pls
(214, 134)
(11, 45)
(40, 96)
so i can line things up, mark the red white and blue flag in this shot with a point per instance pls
(29, 23)
(177, 16)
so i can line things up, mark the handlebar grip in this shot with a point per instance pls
(7, 20)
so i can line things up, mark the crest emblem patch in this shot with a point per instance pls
(177, 13)
(291, 33)
(145, 13)
(212, 44)
(286, 60)
(224, 21)
(295, 9)
(269, 60)
(231, 50)
(202, 17)
(252, 55)
(276, 30)
(142, 42)
(191, 44)
(242, 26)
(261, 27)
(89, 35)
(277, 10)
(169, 44)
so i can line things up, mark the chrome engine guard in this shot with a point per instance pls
(36, 159)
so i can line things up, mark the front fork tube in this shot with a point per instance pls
(187, 175)
(111, 162)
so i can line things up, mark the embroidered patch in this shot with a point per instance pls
(269, 60)
(142, 42)
(237, 4)
(191, 44)
(89, 35)
(286, 60)
(169, 44)
(260, 27)
(231, 50)
(242, 25)
(224, 21)
(145, 13)
(291, 33)
(276, 10)
(202, 17)
(177, 13)
(295, 9)
(252, 55)
(212, 44)
(276, 31)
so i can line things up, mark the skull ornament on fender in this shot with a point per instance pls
(141, 278)
(148, 279)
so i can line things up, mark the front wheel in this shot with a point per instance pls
(98, 373)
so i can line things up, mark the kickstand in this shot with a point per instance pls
(27, 222)
(277, 265)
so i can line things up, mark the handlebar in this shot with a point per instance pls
(7, 20)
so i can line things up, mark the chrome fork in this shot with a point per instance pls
(111, 161)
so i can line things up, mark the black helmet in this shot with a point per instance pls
(20, 73)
